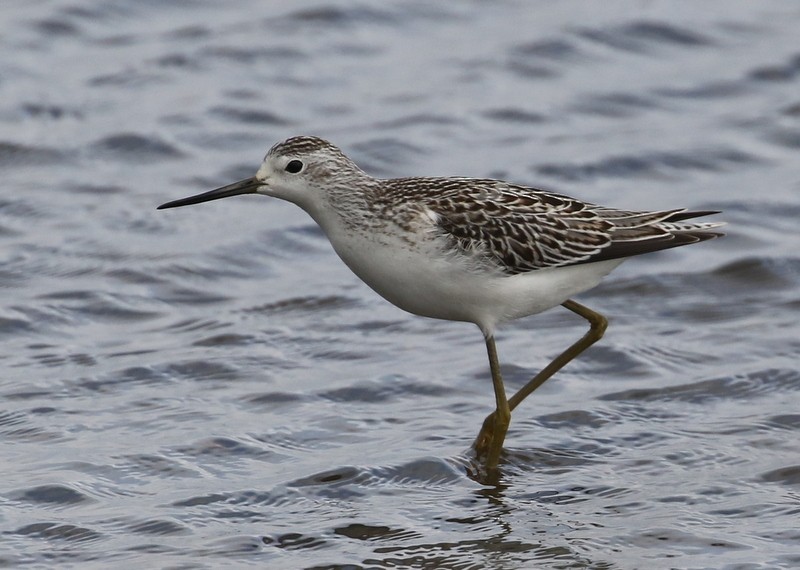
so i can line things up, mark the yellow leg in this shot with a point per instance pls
(489, 442)
(493, 433)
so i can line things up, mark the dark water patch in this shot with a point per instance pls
(788, 137)
(305, 305)
(574, 494)
(324, 351)
(339, 17)
(19, 426)
(226, 340)
(224, 448)
(274, 399)
(460, 554)
(513, 115)
(254, 55)
(98, 189)
(55, 360)
(25, 395)
(124, 353)
(277, 497)
(427, 472)
(356, 49)
(6, 232)
(777, 73)
(113, 382)
(722, 90)
(152, 548)
(127, 79)
(384, 327)
(132, 146)
(11, 419)
(614, 105)
(344, 482)
(135, 276)
(333, 478)
(184, 295)
(651, 165)
(56, 495)
(763, 273)
(189, 325)
(555, 49)
(50, 111)
(14, 155)
(57, 27)
(188, 33)
(645, 36)
(784, 421)
(46, 318)
(375, 533)
(789, 476)
(201, 501)
(203, 370)
(371, 393)
(12, 326)
(415, 120)
(56, 531)
(662, 33)
(385, 389)
(573, 420)
(294, 541)
(758, 384)
(792, 110)
(178, 61)
(249, 116)
(530, 69)
(158, 527)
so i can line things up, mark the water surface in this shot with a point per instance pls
(210, 387)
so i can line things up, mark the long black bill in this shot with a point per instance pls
(246, 186)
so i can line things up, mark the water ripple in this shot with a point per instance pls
(211, 387)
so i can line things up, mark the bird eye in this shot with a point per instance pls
(294, 166)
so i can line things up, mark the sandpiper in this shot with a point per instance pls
(465, 249)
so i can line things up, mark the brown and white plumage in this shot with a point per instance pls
(469, 249)
(476, 250)
(524, 229)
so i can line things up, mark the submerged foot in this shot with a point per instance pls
(489, 443)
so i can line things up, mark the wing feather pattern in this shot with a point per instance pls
(523, 229)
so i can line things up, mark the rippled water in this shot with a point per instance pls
(210, 387)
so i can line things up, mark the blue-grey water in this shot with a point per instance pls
(210, 387)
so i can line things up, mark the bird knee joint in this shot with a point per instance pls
(599, 325)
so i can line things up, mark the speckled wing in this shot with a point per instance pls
(523, 229)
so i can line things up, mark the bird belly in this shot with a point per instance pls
(423, 280)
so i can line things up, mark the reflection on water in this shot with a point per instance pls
(216, 388)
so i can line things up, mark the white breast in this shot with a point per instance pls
(421, 278)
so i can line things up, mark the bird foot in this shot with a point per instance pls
(489, 443)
